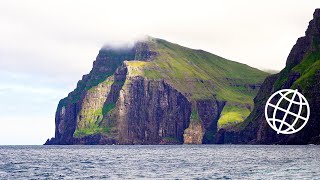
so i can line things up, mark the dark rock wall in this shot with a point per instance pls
(209, 113)
(151, 112)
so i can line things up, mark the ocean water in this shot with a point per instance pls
(160, 162)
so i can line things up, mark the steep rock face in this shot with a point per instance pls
(154, 92)
(302, 72)
(209, 113)
(204, 121)
(149, 112)
(85, 110)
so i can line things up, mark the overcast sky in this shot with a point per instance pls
(46, 46)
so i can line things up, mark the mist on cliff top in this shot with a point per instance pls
(124, 44)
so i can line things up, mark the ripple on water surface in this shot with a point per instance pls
(181, 161)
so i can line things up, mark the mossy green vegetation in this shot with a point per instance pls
(194, 116)
(135, 68)
(232, 115)
(93, 122)
(91, 130)
(283, 76)
(308, 69)
(92, 119)
(93, 125)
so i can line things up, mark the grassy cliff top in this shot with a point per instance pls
(199, 74)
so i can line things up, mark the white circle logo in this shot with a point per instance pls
(287, 111)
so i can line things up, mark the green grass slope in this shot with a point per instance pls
(202, 75)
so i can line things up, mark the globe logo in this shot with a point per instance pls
(287, 111)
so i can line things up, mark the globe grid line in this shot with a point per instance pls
(288, 109)
(300, 108)
(294, 102)
(277, 105)
(290, 127)
(278, 120)
(291, 113)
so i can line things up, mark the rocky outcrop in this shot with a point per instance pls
(302, 72)
(127, 99)
(194, 133)
(86, 107)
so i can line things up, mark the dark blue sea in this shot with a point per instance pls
(160, 162)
